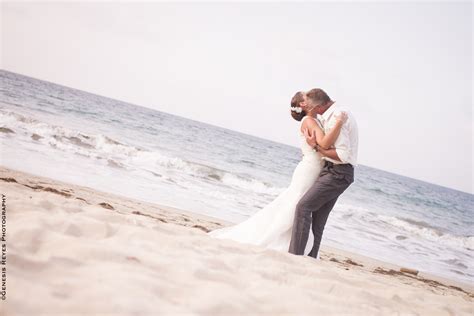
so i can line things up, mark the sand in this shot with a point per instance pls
(73, 250)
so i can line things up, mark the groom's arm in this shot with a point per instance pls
(330, 153)
(341, 149)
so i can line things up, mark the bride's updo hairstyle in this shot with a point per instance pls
(296, 111)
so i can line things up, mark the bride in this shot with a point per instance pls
(271, 226)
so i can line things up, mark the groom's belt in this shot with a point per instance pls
(331, 164)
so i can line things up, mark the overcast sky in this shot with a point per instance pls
(405, 69)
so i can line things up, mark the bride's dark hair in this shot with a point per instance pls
(295, 102)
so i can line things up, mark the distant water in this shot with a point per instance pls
(122, 148)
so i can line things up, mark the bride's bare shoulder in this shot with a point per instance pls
(305, 123)
(309, 122)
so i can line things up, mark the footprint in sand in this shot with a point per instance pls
(46, 205)
(212, 275)
(60, 295)
(28, 239)
(234, 250)
(25, 264)
(273, 255)
(72, 209)
(87, 227)
(65, 262)
(73, 230)
(218, 265)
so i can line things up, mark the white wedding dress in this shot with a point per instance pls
(271, 226)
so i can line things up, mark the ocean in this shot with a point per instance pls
(82, 138)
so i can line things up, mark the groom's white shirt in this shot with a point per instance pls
(346, 144)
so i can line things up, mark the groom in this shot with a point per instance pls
(335, 177)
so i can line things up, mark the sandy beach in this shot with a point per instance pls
(73, 250)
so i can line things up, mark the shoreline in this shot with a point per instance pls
(24, 190)
(208, 223)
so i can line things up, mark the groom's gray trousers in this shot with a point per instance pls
(316, 204)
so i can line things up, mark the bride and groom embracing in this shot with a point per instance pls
(329, 141)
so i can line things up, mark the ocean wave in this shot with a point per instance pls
(248, 183)
(152, 159)
(430, 233)
(405, 198)
(120, 155)
(402, 228)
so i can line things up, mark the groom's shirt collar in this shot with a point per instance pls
(327, 115)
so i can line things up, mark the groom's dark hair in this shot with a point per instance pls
(318, 96)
